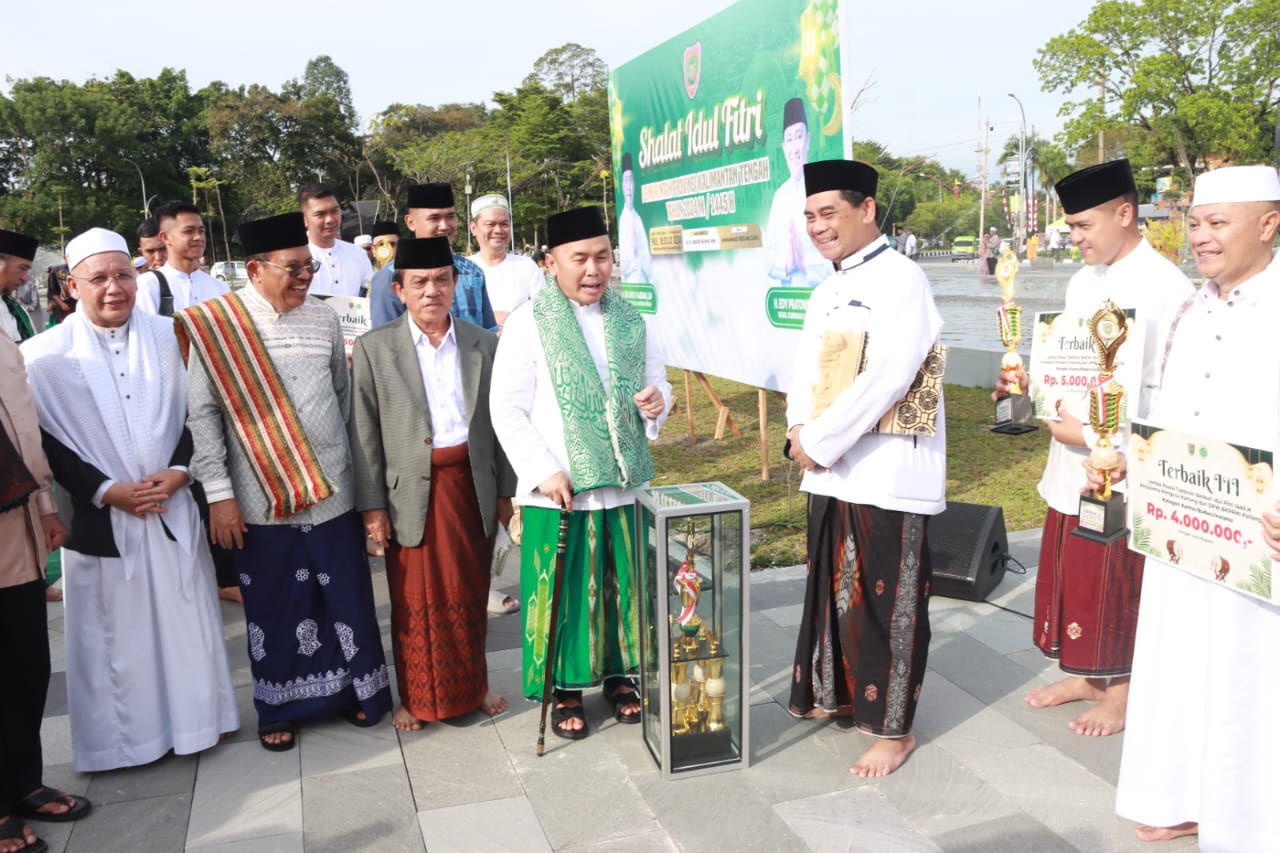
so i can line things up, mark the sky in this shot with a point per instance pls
(930, 60)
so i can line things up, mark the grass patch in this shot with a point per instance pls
(982, 467)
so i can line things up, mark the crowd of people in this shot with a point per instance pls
(222, 442)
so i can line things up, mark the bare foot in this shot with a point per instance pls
(404, 721)
(1106, 717)
(230, 593)
(1070, 689)
(493, 704)
(16, 845)
(1167, 833)
(885, 756)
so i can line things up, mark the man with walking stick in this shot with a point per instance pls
(579, 443)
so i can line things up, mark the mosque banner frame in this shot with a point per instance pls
(709, 133)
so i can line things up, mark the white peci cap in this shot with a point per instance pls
(95, 241)
(1237, 184)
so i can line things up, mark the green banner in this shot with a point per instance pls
(710, 133)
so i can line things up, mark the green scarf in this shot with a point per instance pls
(608, 451)
(24, 322)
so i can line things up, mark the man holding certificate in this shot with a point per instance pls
(869, 333)
(1086, 607)
(1202, 753)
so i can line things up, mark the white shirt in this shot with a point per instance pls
(9, 324)
(442, 381)
(786, 223)
(1146, 282)
(345, 270)
(511, 282)
(880, 292)
(187, 288)
(634, 261)
(526, 415)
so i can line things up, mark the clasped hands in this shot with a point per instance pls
(146, 496)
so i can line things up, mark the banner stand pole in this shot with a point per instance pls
(688, 407)
(723, 417)
(762, 406)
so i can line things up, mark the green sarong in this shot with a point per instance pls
(599, 634)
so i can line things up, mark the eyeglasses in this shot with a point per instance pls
(294, 270)
(99, 281)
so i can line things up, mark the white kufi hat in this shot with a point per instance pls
(1237, 184)
(93, 242)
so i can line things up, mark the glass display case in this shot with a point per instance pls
(694, 563)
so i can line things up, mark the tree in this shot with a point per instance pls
(323, 78)
(570, 71)
(1199, 78)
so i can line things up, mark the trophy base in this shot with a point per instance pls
(1014, 415)
(1101, 521)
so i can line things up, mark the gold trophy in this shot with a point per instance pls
(1013, 411)
(714, 691)
(1102, 512)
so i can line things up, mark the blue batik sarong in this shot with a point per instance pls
(315, 649)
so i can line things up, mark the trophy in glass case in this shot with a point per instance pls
(693, 559)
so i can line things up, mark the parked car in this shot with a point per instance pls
(233, 273)
(964, 248)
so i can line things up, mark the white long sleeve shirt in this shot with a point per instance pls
(881, 293)
(187, 288)
(1153, 287)
(526, 415)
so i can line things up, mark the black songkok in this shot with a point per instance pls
(427, 253)
(581, 223)
(793, 113)
(18, 245)
(383, 229)
(430, 196)
(626, 162)
(286, 231)
(1095, 185)
(852, 175)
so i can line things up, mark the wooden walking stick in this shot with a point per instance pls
(562, 544)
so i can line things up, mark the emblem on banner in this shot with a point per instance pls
(692, 68)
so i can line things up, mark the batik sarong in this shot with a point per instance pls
(315, 649)
(1086, 600)
(599, 617)
(439, 598)
(864, 634)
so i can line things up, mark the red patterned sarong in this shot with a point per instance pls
(439, 593)
(1086, 600)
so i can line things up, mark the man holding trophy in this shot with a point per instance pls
(1086, 606)
(1202, 753)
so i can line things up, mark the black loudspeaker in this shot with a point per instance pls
(968, 545)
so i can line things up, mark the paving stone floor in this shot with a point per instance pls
(990, 775)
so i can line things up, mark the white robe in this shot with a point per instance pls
(526, 414)
(1201, 741)
(145, 654)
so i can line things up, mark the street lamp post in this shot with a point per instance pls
(1021, 230)
(146, 202)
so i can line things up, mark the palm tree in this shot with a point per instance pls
(1047, 161)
